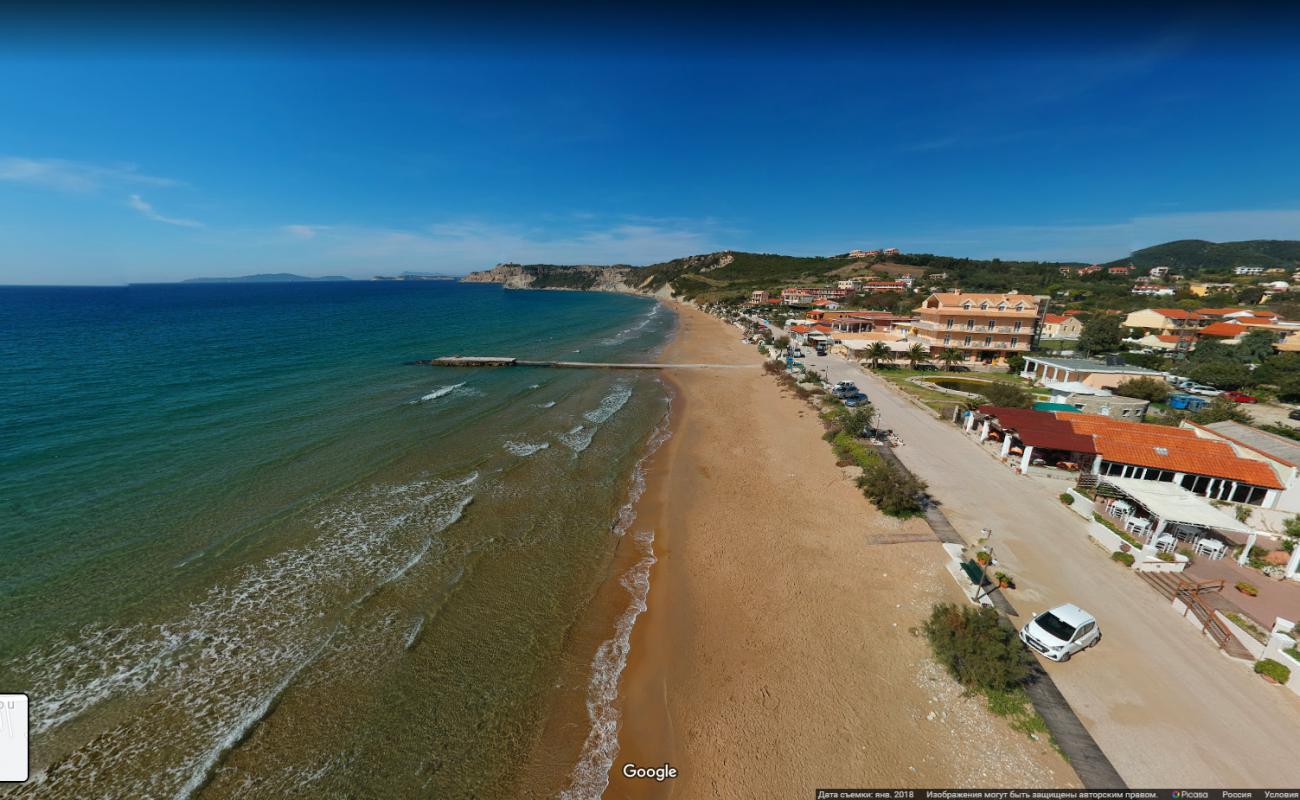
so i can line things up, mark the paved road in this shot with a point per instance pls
(1163, 704)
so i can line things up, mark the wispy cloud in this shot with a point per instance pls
(304, 231)
(74, 176)
(147, 210)
(1110, 240)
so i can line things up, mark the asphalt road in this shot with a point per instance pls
(1164, 705)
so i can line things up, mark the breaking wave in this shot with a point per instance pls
(204, 679)
(578, 439)
(525, 448)
(610, 404)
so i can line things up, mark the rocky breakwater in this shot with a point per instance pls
(547, 276)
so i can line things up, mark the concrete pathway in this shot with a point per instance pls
(1163, 704)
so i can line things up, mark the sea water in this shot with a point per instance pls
(248, 549)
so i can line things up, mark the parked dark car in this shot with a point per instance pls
(1294, 415)
(958, 368)
(926, 368)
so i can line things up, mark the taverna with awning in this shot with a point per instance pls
(1204, 467)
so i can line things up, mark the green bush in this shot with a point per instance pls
(1123, 558)
(1273, 669)
(1157, 391)
(975, 648)
(1247, 588)
(1007, 395)
(1067, 498)
(893, 491)
(1165, 556)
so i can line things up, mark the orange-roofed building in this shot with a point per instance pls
(983, 327)
(1208, 467)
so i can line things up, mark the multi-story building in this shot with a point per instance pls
(758, 298)
(984, 327)
(1166, 321)
(1158, 272)
(1247, 270)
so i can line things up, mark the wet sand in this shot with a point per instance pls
(775, 656)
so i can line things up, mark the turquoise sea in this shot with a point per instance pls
(249, 550)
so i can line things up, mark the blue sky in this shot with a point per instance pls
(128, 163)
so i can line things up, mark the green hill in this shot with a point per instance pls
(1195, 255)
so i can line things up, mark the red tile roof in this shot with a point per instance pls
(1177, 313)
(1054, 319)
(1136, 443)
(1225, 329)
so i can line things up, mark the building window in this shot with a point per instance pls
(988, 341)
(990, 325)
(1016, 327)
(967, 342)
(984, 306)
(950, 323)
(947, 340)
(1015, 340)
(970, 324)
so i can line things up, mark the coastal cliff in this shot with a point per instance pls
(549, 276)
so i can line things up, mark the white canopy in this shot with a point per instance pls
(1074, 387)
(1174, 504)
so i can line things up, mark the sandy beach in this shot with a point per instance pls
(775, 655)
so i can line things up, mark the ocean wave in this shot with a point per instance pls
(578, 439)
(221, 664)
(414, 633)
(610, 404)
(525, 449)
(547, 404)
(591, 774)
(632, 330)
(441, 391)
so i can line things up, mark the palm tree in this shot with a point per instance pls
(916, 354)
(951, 356)
(877, 352)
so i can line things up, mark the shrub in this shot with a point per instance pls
(1004, 580)
(1007, 395)
(1273, 669)
(975, 648)
(1157, 391)
(1247, 588)
(1067, 498)
(1123, 558)
(1165, 556)
(982, 557)
(893, 491)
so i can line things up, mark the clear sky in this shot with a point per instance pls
(160, 154)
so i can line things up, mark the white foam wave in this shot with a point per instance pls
(547, 404)
(441, 391)
(610, 404)
(414, 634)
(525, 449)
(628, 332)
(578, 439)
(220, 664)
(591, 774)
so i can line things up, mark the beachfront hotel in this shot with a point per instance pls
(984, 327)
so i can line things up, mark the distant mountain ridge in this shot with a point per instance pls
(267, 277)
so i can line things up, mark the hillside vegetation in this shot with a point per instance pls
(732, 275)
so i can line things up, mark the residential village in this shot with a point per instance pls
(1137, 421)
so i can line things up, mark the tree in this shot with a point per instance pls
(781, 343)
(1007, 395)
(1101, 334)
(1221, 374)
(1221, 409)
(1255, 346)
(1212, 350)
(1156, 391)
(1288, 389)
(916, 354)
(1250, 295)
(951, 356)
(877, 352)
(1148, 360)
(1015, 364)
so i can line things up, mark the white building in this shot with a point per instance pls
(1248, 270)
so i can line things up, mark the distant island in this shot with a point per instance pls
(417, 276)
(271, 277)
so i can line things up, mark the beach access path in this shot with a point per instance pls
(775, 655)
(1164, 705)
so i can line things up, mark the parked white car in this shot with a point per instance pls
(1061, 632)
(1202, 389)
